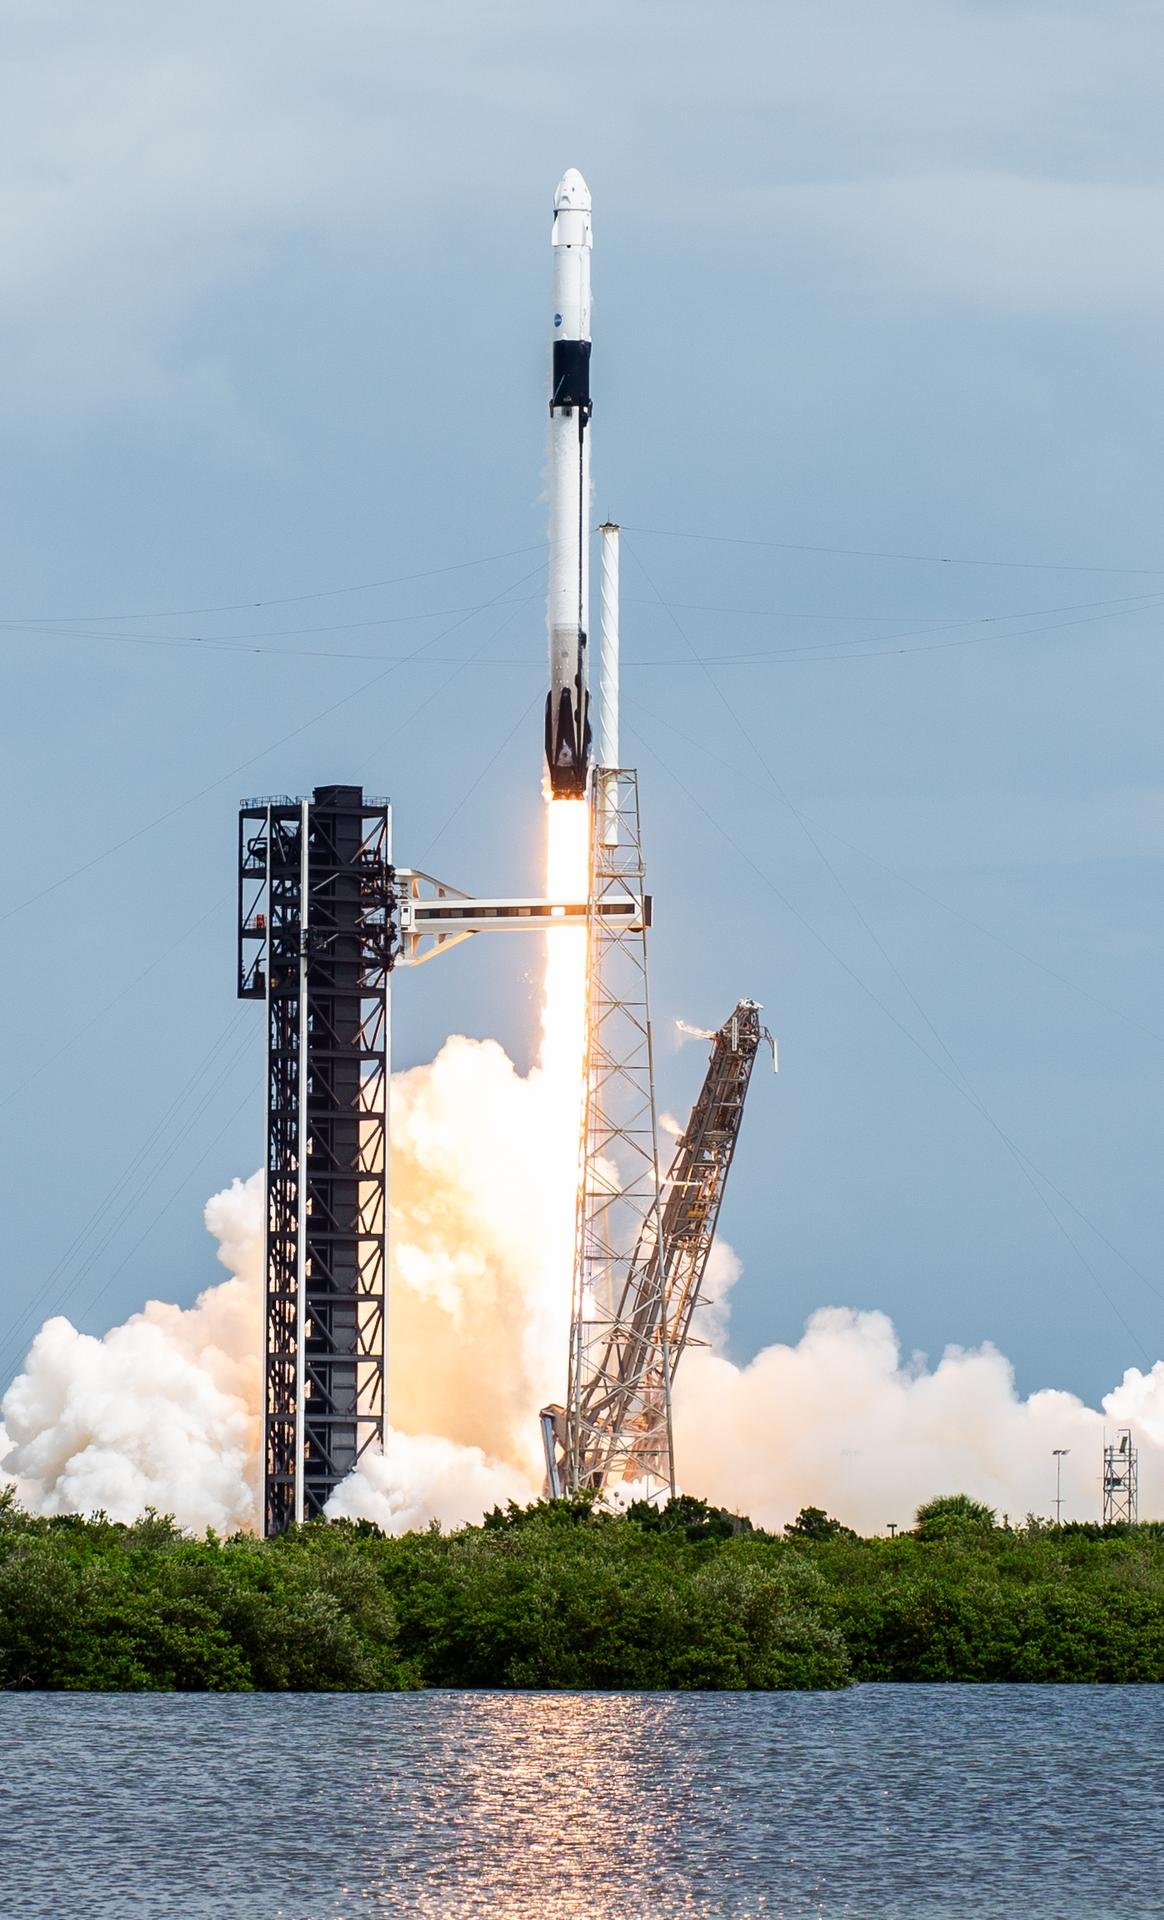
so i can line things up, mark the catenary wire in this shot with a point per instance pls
(163, 1210)
(139, 1159)
(1023, 1160)
(863, 853)
(289, 599)
(968, 1087)
(826, 651)
(935, 1061)
(890, 619)
(485, 771)
(878, 553)
(100, 1012)
(246, 644)
(469, 659)
(231, 773)
(175, 1143)
(959, 1076)
(89, 1260)
(96, 1223)
(239, 643)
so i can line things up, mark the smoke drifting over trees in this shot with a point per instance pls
(163, 1411)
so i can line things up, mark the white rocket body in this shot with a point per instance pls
(568, 606)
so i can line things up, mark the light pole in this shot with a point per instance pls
(1060, 1454)
(892, 1525)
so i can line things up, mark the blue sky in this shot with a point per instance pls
(878, 298)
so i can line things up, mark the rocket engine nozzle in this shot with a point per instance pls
(568, 743)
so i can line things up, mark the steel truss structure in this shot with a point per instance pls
(1121, 1480)
(693, 1193)
(317, 941)
(663, 1283)
(616, 1426)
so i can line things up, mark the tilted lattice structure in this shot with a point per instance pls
(693, 1192)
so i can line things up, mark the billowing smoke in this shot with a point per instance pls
(421, 1477)
(165, 1410)
(842, 1421)
(480, 1275)
(162, 1412)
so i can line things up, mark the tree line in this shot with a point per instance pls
(563, 1595)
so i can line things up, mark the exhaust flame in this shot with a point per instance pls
(563, 1047)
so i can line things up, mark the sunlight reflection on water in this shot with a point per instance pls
(908, 1803)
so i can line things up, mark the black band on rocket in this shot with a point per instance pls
(571, 377)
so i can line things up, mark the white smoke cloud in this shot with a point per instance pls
(841, 1421)
(480, 1263)
(161, 1412)
(164, 1411)
(421, 1477)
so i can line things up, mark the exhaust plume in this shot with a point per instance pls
(841, 1421)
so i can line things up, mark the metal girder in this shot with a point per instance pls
(695, 1183)
(435, 916)
(317, 941)
(616, 1426)
(1121, 1480)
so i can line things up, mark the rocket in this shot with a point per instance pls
(567, 610)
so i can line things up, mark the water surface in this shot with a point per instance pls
(881, 1803)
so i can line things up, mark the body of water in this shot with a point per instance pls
(916, 1803)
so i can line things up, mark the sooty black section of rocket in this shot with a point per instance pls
(571, 378)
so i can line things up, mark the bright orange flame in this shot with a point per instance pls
(564, 1004)
(564, 1023)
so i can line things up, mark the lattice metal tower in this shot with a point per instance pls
(1121, 1480)
(619, 1387)
(694, 1188)
(317, 939)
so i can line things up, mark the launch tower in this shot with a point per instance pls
(619, 1387)
(316, 943)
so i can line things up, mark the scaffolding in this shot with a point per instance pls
(694, 1187)
(316, 943)
(1121, 1480)
(615, 1430)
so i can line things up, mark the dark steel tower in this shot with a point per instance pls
(317, 941)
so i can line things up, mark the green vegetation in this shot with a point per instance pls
(558, 1595)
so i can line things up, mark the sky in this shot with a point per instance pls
(877, 307)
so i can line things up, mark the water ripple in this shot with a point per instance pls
(882, 1803)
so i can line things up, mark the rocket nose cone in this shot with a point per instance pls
(572, 193)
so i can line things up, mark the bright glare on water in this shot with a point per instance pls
(1018, 1803)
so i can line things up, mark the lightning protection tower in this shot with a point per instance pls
(316, 942)
(619, 1384)
(1121, 1480)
